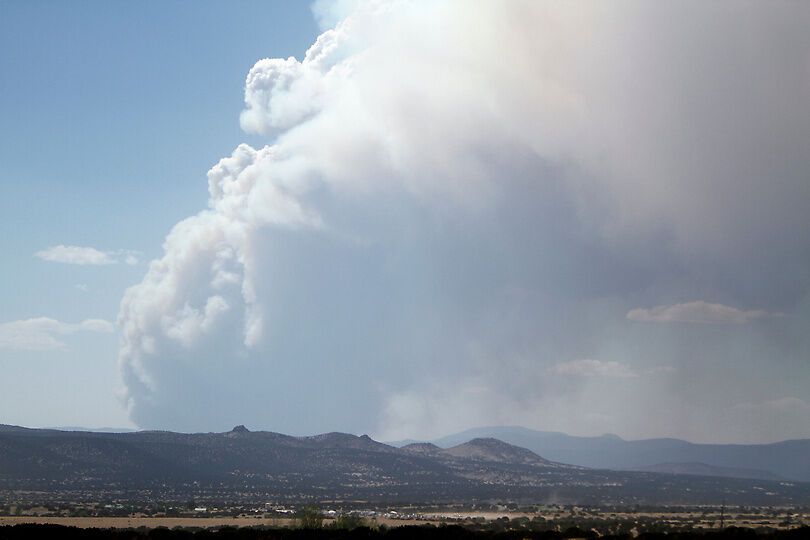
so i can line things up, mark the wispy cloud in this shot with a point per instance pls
(698, 312)
(43, 333)
(588, 367)
(84, 255)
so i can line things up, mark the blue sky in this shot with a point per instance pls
(407, 218)
(112, 112)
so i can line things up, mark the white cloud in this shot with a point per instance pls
(44, 334)
(83, 255)
(588, 367)
(75, 255)
(83, 287)
(698, 312)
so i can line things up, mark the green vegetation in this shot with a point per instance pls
(309, 517)
(348, 522)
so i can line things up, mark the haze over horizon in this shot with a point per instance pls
(422, 217)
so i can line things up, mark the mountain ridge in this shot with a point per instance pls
(703, 469)
(788, 459)
(337, 466)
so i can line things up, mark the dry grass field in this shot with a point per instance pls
(678, 520)
(150, 522)
(172, 522)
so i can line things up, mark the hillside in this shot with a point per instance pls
(241, 464)
(702, 469)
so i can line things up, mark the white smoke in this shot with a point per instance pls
(460, 191)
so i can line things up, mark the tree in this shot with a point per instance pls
(348, 522)
(310, 517)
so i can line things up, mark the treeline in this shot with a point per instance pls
(450, 532)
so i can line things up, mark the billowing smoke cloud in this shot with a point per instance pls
(455, 199)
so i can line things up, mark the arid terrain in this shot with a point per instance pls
(603, 520)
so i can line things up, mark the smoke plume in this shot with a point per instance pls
(455, 198)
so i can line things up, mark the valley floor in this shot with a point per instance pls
(604, 521)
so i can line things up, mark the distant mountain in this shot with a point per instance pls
(703, 469)
(483, 450)
(93, 430)
(422, 449)
(787, 459)
(264, 466)
(489, 449)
